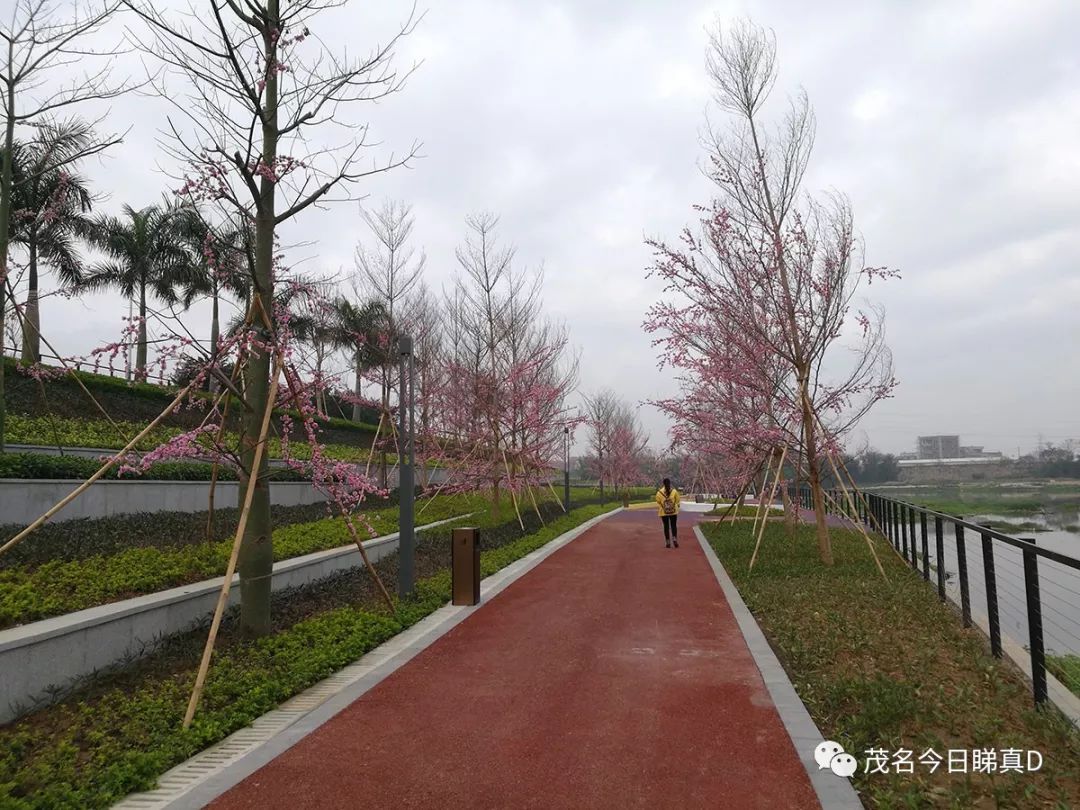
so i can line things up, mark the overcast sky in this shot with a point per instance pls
(953, 127)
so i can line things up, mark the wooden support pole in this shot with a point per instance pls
(855, 520)
(772, 495)
(226, 584)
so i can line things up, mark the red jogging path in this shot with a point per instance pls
(611, 675)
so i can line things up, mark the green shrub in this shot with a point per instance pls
(99, 433)
(43, 466)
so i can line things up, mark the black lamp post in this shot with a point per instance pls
(566, 469)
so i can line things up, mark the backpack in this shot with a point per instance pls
(669, 505)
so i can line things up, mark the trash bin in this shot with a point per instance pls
(465, 566)
(699, 499)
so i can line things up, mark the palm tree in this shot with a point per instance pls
(49, 211)
(362, 331)
(222, 258)
(146, 253)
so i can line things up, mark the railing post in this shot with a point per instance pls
(1035, 629)
(914, 545)
(903, 528)
(925, 548)
(991, 595)
(961, 565)
(939, 535)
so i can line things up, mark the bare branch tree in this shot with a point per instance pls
(601, 410)
(258, 99)
(771, 280)
(387, 272)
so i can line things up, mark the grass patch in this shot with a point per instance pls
(1008, 499)
(139, 402)
(741, 511)
(92, 750)
(1066, 668)
(886, 665)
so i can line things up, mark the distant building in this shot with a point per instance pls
(938, 447)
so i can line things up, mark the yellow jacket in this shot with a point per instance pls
(661, 497)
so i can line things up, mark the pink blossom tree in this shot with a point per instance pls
(498, 402)
(627, 451)
(764, 289)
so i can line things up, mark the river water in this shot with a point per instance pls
(1059, 585)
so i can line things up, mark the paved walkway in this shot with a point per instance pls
(612, 675)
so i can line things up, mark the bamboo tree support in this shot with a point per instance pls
(374, 441)
(764, 484)
(532, 497)
(226, 584)
(367, 562)
(449, 477)
(510, 486)
(862, 496)
(79, 490)
(855, 520)
(217, 442)
(290, 375)
(555, 495)
(840, 480)
(765, 520)
(734, 506)
(49, 416)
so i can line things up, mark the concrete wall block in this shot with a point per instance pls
(63, 651)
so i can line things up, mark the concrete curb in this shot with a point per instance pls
(834, 792)
(207, 775)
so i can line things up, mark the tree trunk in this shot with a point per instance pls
(31, 348)
(383, 473)
(256, 560)
(5, 219)
(356, 413)
(791, 517)
(600, 469)
(140, 352)
(215, 332)
(814, 477)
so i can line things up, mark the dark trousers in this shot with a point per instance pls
(671, 526)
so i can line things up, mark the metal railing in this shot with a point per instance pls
(104, 370)
(1034, 589)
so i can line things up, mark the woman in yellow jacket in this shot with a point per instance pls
(667, 499)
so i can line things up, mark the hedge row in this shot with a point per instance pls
(93, 752)
(51, 431)
(64, 586)
(41, 466)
